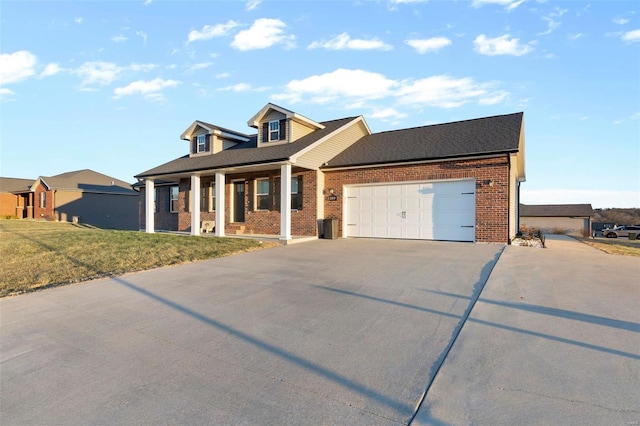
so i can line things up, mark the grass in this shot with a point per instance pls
(39, 254)
(621, 246)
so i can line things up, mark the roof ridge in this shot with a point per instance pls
(450, 122)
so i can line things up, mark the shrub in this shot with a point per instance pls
(559, 231)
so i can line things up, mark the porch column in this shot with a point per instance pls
(195, 204)
(149, 208)
(285, 202)
(220, 178)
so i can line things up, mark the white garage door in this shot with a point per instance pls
(424, 211)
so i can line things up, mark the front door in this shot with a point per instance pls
(238, 201)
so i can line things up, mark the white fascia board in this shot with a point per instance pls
(32, 188)
(255, 120)
(230, 135)
(358, 119)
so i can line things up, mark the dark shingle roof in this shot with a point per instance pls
(88, 181)
(463, 138)
(15, 184)
(556, 210)
(244, 154)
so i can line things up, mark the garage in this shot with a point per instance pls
(442, 210)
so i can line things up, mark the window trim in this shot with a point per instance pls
(201, 143)
(176, 199)
(43, 200)
(261, 194)
(271, 131)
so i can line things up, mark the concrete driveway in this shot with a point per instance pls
(328, 332)
(554, 339)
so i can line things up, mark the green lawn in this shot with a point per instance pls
(39, 254)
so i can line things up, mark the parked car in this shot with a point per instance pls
(620, 231)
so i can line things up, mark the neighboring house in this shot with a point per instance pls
(11, 203)
(457, 181)
(84, 196)
(573, 219)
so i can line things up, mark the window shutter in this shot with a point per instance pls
(276, 194)
(251, 189)
(265, 132)
(207, 143)
(283, 129)
(300, 193)
(194, 145)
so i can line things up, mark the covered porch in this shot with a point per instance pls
(237, 204)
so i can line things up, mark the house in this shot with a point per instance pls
(11, 204)
(455, 181)
(83, 196)
(572, 219)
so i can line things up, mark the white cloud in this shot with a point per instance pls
(635, 116)
(78, 20)
(620, 21)
(508, 4)
(4, 93)
(51, 69)
(502, 45)
(341, 83)
(101, 73)
(552, 20)
(408, 1)
(423, 46)
(17, 66)
(223, 75)
(149, 89)
(263, 33)
(240, 87)
(200, 65)
(252, 4)
(387, 114)
(575, 36)
(208, 32)
(344, 42)
(142, 67)
(359, 88)
(119, 38)
(143, 35)
(147, 2)
(598, 198)
(631, 36)
(443, 91)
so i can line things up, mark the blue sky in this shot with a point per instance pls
(111, 85)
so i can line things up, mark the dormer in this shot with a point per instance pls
(207, 139)
(277, 125)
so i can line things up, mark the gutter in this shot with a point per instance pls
(405, 163)
(177, 174)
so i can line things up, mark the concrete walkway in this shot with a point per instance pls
(553, 339)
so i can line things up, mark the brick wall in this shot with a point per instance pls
(492, 201)
(48, 211)
(303, 222)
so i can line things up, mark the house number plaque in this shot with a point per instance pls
(332, 198)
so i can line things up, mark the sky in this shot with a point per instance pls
(111, 85)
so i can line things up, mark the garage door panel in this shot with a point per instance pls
(431, 210)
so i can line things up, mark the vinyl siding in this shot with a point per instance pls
(332, 147)
(273, 116)
(298, 130)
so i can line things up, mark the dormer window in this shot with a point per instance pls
(202, 143)
(274, 131)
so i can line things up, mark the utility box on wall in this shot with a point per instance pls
(330, 227)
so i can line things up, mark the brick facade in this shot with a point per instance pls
(492, 199)
(46, 212)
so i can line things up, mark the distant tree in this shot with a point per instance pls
(618, 216)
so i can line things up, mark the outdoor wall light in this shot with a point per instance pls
(490, 182)
(331, 191)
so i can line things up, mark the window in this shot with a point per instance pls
(43, 200)
(296, 193)
(263, 189)
(208, 197)
(274, 130)
(155, 200)
(202, 143)
(174, 199)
